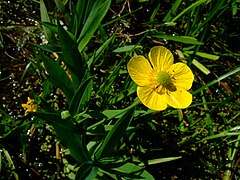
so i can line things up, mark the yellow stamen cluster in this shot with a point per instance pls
(163, 78)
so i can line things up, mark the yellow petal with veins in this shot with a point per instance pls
(182, 75)
(151, 98)
(140, 70)
(161, 58)
(179, 98)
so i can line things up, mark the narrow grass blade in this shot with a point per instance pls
(47, 87)
(160, 160)
(194, 5)
(126, 48)
(25, 71)
(172, 11)
(224, 134)
(108, 82)
(100, 51)
(155, 11)
(216, 80)
(232, 154)
(215, 9)
(200, 67)
(121, 17)
(182, 39)
(204, 55)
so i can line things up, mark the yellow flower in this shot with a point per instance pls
(30, 106)
(160, 82)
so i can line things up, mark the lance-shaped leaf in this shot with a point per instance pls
(132, 171)
(81, 97)
(58, 76)
(97, 13)
(87, 172)
(71, 56)
(44, 17)
(69, 135)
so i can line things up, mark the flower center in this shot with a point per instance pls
(163, 78)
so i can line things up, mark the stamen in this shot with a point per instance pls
(163, 78)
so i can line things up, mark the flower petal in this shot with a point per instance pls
(25, 105)
(30, 100)
(182, 75)
(161, 58)
(139, 69)
(34, 107)
(179, 98)
(151, 98)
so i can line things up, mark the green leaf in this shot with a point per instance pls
(192, 6)
(217, 80)
(108, 82)
(72, 57)
(215, 9)
(200, 67)
(172, 11)
(44, 17)
(116, 113)
(182, 39)
(204, 55)
(220, 135)
(114, 136)
(129, 88)
(58, 76)
(160, 160)
(98, 11)
(47, 87)
(127, 48)
(62, 9)
(118, 18)
(10, 162)
(133, 171)
(86, 172)
(69, 135)
(81, 97)
(34, 63)
(77, 19)
(234, 8)
(15, 131)
(50, 26)
(49, 48)
(100, 51)
(155, 12)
